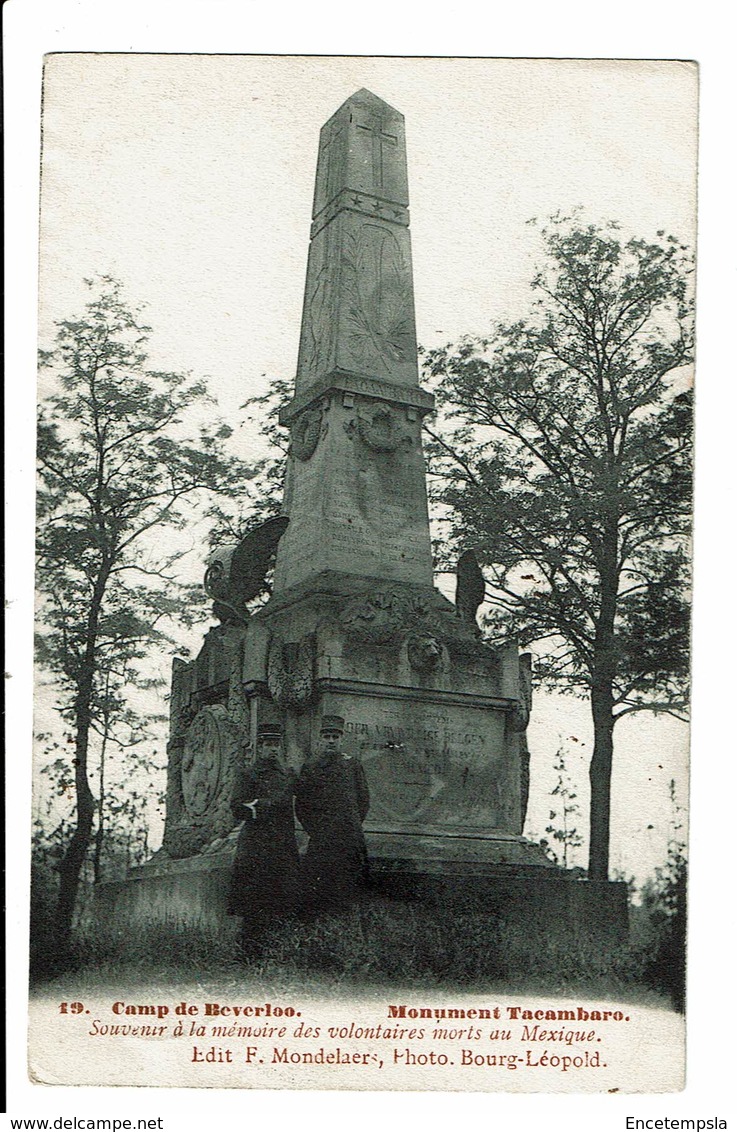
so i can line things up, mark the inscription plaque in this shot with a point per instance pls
(429, 765)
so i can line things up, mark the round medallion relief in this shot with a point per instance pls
(208, 746)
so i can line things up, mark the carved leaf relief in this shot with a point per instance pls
(380, 617)
(380, 326)
(290, 672)
(319, 320)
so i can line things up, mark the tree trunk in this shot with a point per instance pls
(600, 777)
(70, 868)
(100, 834)
(602, 708)
(71, 864)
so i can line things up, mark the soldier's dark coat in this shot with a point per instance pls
(265, 880)
(332, 800)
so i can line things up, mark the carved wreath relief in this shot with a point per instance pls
(307, 430)
(379, 430)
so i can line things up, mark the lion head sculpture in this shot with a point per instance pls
(425, 653)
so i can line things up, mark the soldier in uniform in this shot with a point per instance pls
(332, 801)
(264, 885)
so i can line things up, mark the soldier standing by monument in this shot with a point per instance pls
(332, 801)
(264, 885)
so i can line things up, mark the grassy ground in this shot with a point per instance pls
(380, 944)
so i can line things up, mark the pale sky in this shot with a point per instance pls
(190, 179)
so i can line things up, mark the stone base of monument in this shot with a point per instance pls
(511, 879)
(188, 892)
(434, 852)
(552, 906)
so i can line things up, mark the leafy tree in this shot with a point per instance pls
(118, 469)
(565, 810)
(563, 458)
(263, 497)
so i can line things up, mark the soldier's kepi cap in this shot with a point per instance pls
(332, 723)
(269, 731)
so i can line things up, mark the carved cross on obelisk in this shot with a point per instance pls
(355, 492)
(379, 138)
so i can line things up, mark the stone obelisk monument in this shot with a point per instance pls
(354, 626)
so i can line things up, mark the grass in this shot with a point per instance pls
(381, 943)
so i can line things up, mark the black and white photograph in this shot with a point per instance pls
(363, 570)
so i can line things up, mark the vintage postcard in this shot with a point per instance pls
(363, 570)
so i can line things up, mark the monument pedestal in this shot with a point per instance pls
(432, 711)
(544, 904)
(548, 908)
(187, 893)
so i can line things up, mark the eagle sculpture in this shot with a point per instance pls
(237, 573)
(470, 587)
